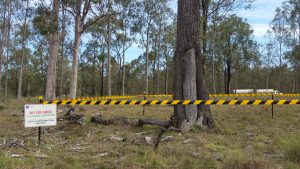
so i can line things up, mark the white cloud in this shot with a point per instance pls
(260, 29)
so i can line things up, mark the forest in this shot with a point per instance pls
(150, 84)
(80, 48)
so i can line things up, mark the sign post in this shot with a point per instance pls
(38, 115)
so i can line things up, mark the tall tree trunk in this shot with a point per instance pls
(213, 53)
(228, 74)
(147, 57)
(76, 44)
(225, 79)
(19, 93)
(280, 66)
(153, 66)
(2, 44)
(236, 80)
(101, 60)
(188, 67)
(123, 58)
(158, 59)
(53, 52)
(93, 84)
(123, 69)
(166, 76)
(108, 53)
(8, 46)
(267, 78)
(218, 81)
(62, 50)
(204, 7)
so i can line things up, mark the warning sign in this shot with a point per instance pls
(36, 115)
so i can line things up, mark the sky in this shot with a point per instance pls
(259, 17)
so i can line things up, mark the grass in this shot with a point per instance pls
(245, 137)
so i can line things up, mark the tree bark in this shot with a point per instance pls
(2, 44)
(153, 66)
(123, 68)
(53, 52)
(8, 45)
(228, 76)
(129, 121)
(108, 53)
(188, 67)
(166, 75)
(213, 53)
(62, 50)
(76, 44)
(19, 93)
(158, 59)
(147, 57)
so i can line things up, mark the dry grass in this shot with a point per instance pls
(245, 137)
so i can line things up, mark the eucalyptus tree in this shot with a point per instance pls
(213, 13)
(8, 45)
(50, 92)
(63, 33)
(168, 50)
(125, 36)
(293, 57)
(80, 10)
(24, 39)
(291, 9)
(235, 44)
(279, 30)
(188, 68)
(2, 38)
(97, 33)
(149, 18)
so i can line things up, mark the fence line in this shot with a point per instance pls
(161, 95)
(172, 102)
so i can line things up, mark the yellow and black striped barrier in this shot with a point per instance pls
(161, 95)
(172, 102)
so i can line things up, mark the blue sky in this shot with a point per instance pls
(259, 17)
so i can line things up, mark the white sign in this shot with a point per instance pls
(36, 115)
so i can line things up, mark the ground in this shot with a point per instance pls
(245, 137)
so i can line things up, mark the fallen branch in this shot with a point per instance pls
(130, 121)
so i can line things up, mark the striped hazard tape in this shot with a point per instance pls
(154, 96)
(172, 102)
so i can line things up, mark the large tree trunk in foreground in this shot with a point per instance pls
(53, 52)
(188, 67)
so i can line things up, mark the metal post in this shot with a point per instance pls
(144, 105)
(39, 136)
(272, 106)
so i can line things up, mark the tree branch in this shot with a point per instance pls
(86, 25)
(72, 13)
